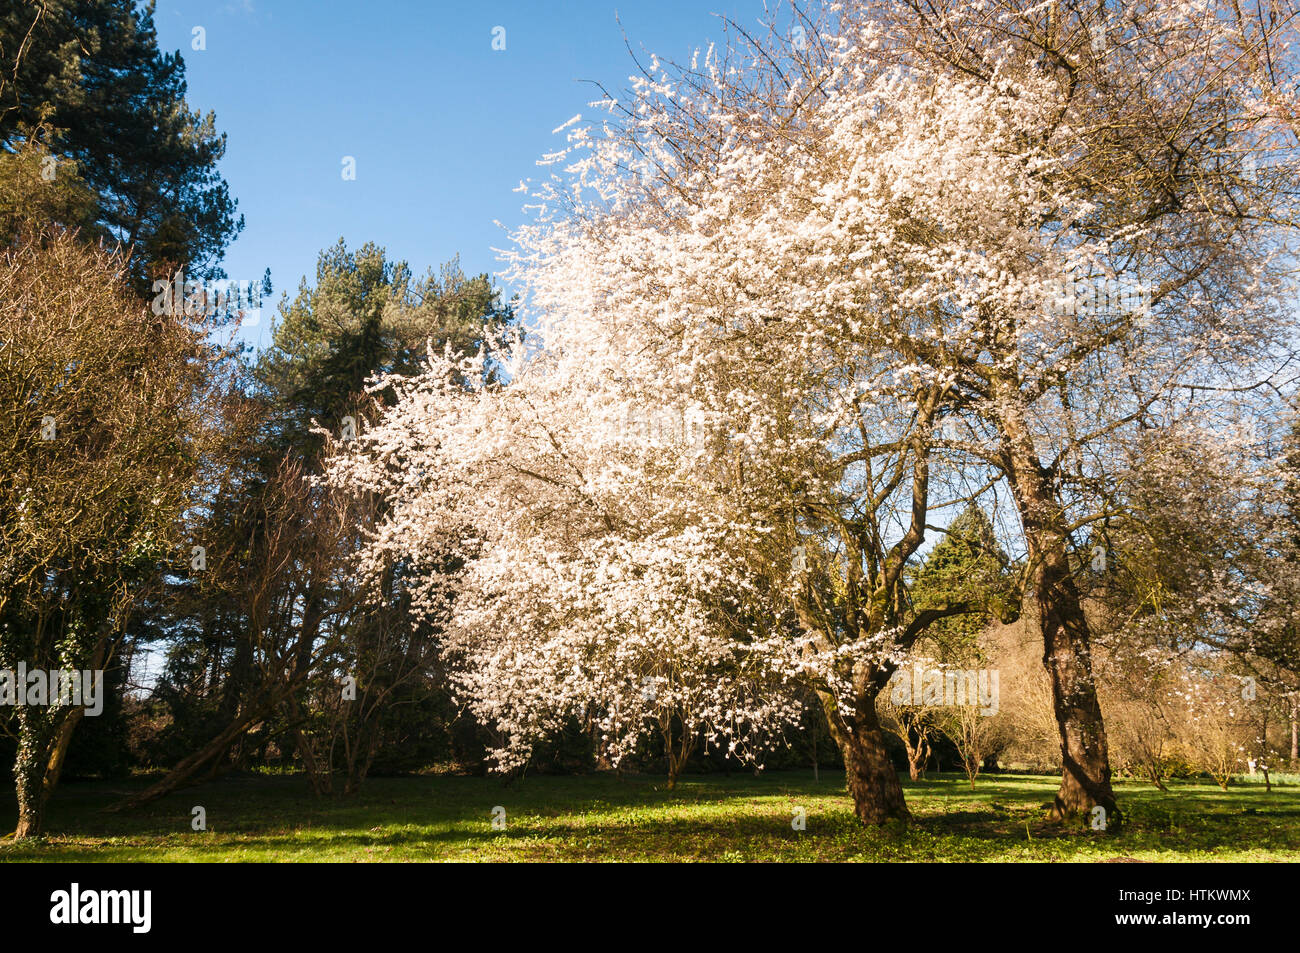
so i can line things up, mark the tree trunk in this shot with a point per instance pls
(59, 749)
(192, 764)
(676, 757)
(914, 765)
(873, 782)
(1067, 654)
(917, 754)
(361, 756)
(45, 735)
(321, 781)
(1295, 733)
(35, 737)
(62, 739)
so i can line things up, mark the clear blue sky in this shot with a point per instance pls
(442, 126)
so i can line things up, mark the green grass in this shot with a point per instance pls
(601, 818)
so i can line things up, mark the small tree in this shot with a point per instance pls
(915, 726)
(1210, 723)
(1134, 690)
(977, 736)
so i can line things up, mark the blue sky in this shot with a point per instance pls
(442, 127)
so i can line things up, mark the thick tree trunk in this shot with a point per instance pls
(61, 741)
(44, 737)
(873, 783)
(31, 806)
(35, 737)
(42, 748)
(1067, 654)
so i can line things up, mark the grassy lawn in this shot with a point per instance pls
(741, 818)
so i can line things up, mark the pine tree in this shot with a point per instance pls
(967, 565)
(85, 79)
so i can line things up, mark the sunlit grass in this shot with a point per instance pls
(737, 818)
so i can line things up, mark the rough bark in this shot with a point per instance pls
(35, 740)
(1067, 653)
(916, 758)
(872, 781)
(45, 738)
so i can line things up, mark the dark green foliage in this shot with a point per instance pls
(365, 315)
(966, 566)
(100, 746)
(87, 77)
(571, 750)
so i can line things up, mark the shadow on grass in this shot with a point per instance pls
(602, 818)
